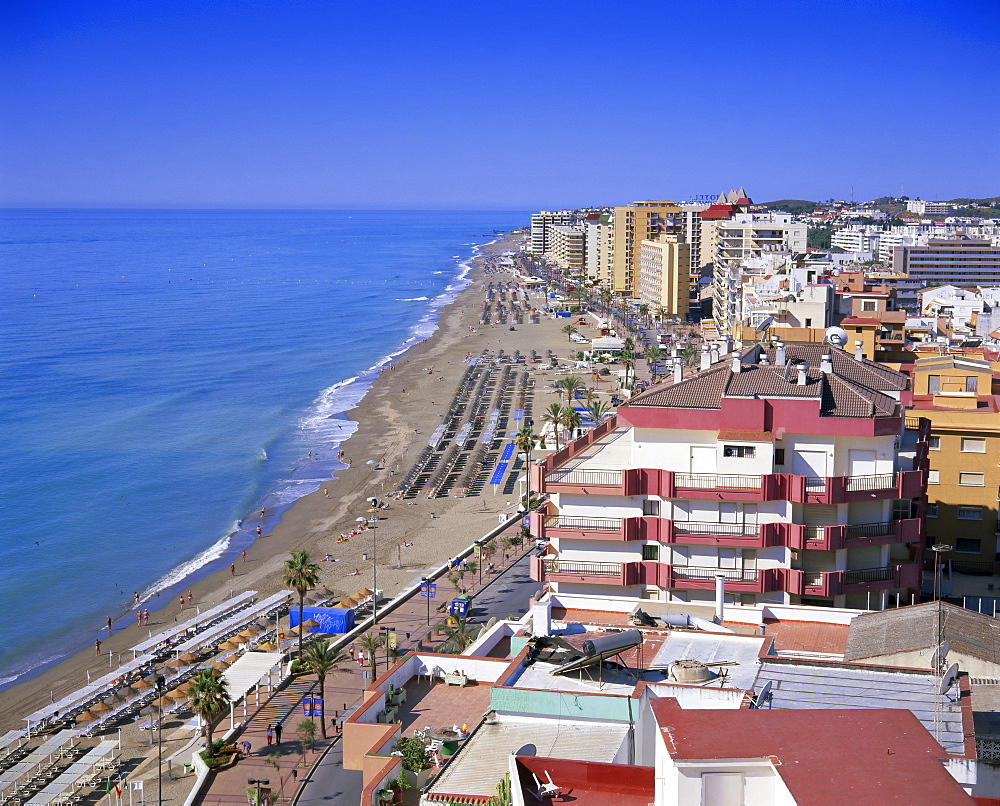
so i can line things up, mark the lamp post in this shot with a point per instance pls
(372, 524)
(426, 582)
(258, 782)
(938, 548)
(384, 632)
(161, 684)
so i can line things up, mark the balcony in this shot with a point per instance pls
(859, 580)
(737, 580)
(578, 528)
(834, 538)
(594, 573)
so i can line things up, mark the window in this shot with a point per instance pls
(970, 513)
(932, 510)
(869, 305)
(933, 384)
(809, 322)
(972, 479)
(651, 552)
(779, 456)
(972, 445)
(739, 451)
(934, 444)
(971, 383)
(933, 477)
(967, 545)
(650, 506)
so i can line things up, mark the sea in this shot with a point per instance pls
(165, 374)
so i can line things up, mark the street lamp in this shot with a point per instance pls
(426, 583)
(258, 782)
(160, 684)
(372, 524)
(938, 548)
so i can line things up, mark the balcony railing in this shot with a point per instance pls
(868, 575)
(610, 478)
(815, 484)
(727, 529)
(863, 484)
(730, 574)
(574, 522)
(870, 529)
(558, 566)
(711, 481)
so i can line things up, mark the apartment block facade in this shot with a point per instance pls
(778, 469)
(567, 248)
(664, 275)
(956, 262)
(632, 224)
(541, 225)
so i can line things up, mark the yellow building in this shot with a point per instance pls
(956, 394)
(632, 224)
(664, 270)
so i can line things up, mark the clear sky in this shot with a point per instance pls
(506, 105)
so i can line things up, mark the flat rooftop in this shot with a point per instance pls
(613, 451)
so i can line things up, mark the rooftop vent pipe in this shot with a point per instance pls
(737, 364)
(858, 351)
(715, 353)
(826, 365)
(779, 354)
(720, 598)
(678, 370)
(803, 369)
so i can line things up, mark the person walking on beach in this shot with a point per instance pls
(258, 531)
(243, 554)
(145, 618)
(137, 598)
(109, 625)
(277, 733)
(232, 569)
(326, 492)
(270, 734)
(182, 601)
(97, 647)
(263, 512)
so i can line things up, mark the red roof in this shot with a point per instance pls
(588, 783)
(834, 756)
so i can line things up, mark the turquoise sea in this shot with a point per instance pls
(165, 373)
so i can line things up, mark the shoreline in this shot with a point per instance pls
(393, 417)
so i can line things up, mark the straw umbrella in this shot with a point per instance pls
(229, 644)
(363, 592)
(184, 687)
(142, 685)
(86, 716)
(177, 663)
(100, 708)
(267, 646)
(239, 639)
(348, 602)
(190, 657)
(310, 623)
(221, 666)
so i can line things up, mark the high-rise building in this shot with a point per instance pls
(567, 248)
(664, 275)
(632, 224)
(778, 470)
(955, 262)
(541, 223)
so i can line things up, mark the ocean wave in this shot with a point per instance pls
(173, 577)
(411, 299)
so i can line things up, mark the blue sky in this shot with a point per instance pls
(517, 105)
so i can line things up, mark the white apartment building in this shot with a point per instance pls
(541, 223)
(778, 469)
(963, 307)
(928, 207)
(567, 248)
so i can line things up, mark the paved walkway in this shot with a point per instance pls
(343, 691)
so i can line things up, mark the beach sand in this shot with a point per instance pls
(394, 424)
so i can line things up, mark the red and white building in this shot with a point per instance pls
(778, 469)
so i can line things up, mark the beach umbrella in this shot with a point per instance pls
(177, 663)
(348, 602)
(221, 665)
(238, 639)
(189, 657)
(141, 685)
(310, 623)
(177, 695)
(85, 716)
(249, 632)
(184, 687)
(228, 644)
(364, 592)
(163, 701)
(267, 646)
(326, 592)
(100, 708)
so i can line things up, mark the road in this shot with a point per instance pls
(329, 782)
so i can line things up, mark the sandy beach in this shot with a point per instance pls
(395, 418)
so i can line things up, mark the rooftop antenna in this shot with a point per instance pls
(761, 329)
(764, 696)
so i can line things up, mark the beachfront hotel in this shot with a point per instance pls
(782, 473)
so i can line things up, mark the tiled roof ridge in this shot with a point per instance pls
(874, 402)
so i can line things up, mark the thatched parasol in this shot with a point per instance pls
(348, 602)
(100, 708)
(267, 646)
(141, 685)
(249, 632)
(177, 695)
(229, 644)
(221, 665)
(86, 716)
(177, 663)
(189, 657)
(310, 623)
(363, 593)
(184, 687)
(238, 639)
(296, 630)
(163, 701)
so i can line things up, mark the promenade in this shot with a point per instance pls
(289, 766)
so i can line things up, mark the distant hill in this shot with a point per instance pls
(793, 206)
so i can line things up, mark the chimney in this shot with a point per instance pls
(678, 370)
(737, 364)
(826, 365)
(720, 597)
(803, 368)
(858, 351)
(715, 353)
(706, 357)
(779, 354)
(541, 618)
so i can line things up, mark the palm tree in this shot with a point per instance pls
(605, 296)
(628, 358)
(321, 659)
(459, 636)
(554, 415)
(644, 312)
(597, 409)
(571, 420)
(569, 330)
(661, 314)
(653, 354)
(369, 643)
(209, 700)
(687, 354)
(590, 394)
(571, 384)
(524, 442)
(301, 575)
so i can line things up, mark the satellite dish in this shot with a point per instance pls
(836, 336)
(937, 659)
(765, 323)
(949, 679)
(763, 696)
